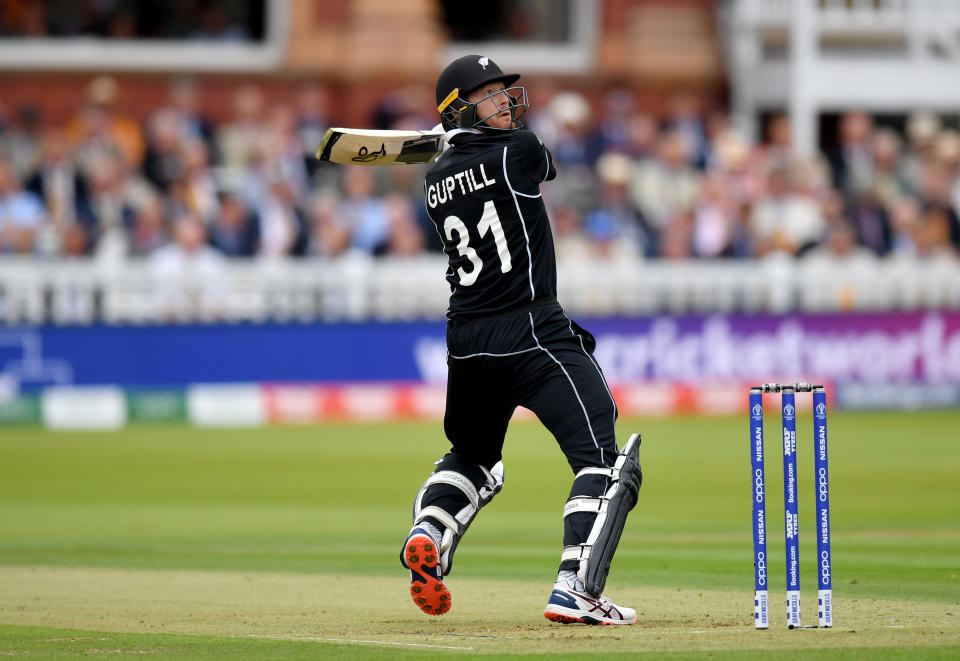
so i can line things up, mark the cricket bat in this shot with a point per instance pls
(371, 147)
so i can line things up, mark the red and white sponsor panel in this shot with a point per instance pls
(413, 401)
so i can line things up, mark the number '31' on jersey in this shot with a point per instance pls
(483, 195)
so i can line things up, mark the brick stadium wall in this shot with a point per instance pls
(60, 95)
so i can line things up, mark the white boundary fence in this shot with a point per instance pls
(358, 288)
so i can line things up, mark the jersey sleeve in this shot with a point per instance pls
(535, 158)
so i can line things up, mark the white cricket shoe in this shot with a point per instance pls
(421, 555)
(568, 606)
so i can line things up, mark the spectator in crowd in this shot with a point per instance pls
(58, 183)
(190, 274)
(313, 115)
(409, 183)
(684, 120)
(362, 211)
(74, 241)
(113, 209)
(615, 226)
(932, 235)
(947, 154)
(408, 108)
(776, 149)
(195, 189)
(889, 179)
(185, 105)
(329, 236)
(870, 221)
(742, 175)
(852, 160)
(284, 149)
(404, 233)
(842, 262)
(717, 228)
(834, 208)
(239, 139)
(676, 240)
(235, 230)
(613, 127)
(785, 219)
(936, 188)
(905, 217)
(716, 127)
(149, 231)
(313, 120)
(641, 136)
(4, 130)
(163, 160)
(100, 126)
(666, 185)
(282, 228)
(540, 118)
(570, 241)
(839, 245)
(21, 141)
(22, 215)
(693, 187)
(570, 114)
(922, 129)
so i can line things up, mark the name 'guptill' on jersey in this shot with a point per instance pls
(483, 195)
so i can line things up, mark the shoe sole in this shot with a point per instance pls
(429, 594)
(563, 618)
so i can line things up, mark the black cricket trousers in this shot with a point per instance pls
(539, 359)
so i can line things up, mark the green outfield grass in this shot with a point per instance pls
(283, 543)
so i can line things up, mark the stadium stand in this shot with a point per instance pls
(177, 213)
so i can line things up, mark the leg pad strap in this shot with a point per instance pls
(596, 553)
(475, 483)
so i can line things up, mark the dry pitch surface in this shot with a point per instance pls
(487, 617)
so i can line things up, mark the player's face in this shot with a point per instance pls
(489, 102)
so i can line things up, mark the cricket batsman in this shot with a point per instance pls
(510, 344)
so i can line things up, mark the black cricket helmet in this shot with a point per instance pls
(467, 74)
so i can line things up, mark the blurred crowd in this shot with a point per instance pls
(180, 189)
(209, 20)
(687, 185)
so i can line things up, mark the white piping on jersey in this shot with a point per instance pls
(572, 385)
(436, 228)
(525, 195)
(597, 365)
(547, 154)
(493, 355)
(523, 224)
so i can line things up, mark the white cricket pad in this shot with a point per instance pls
(595, 554)
(455, 525)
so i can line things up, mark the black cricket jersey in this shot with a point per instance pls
(483, 195)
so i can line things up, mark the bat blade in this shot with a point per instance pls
(372, 147)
